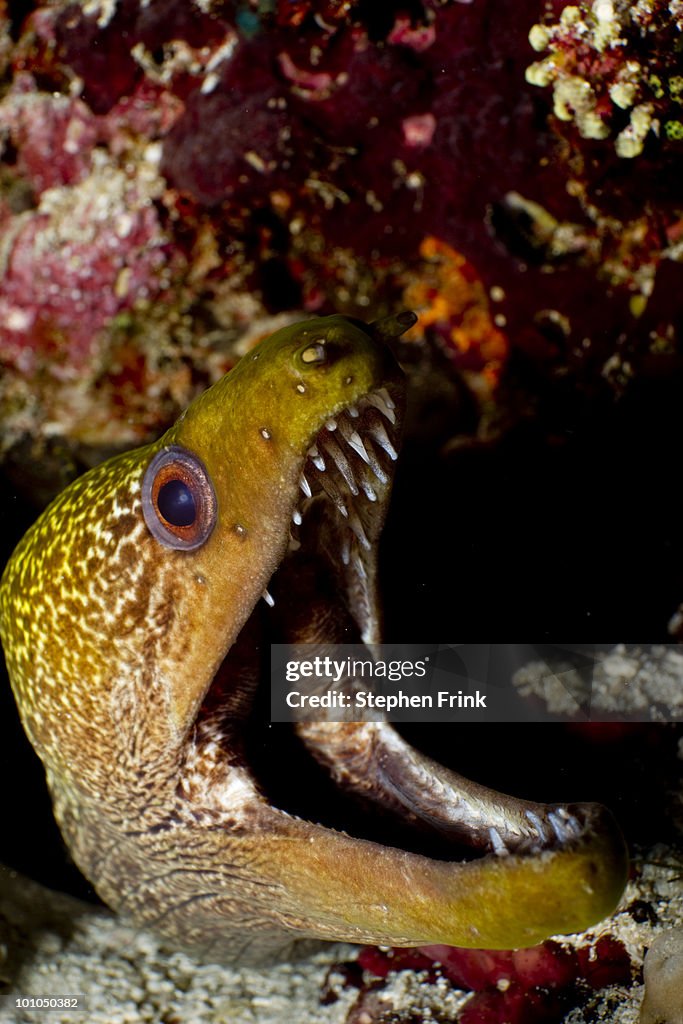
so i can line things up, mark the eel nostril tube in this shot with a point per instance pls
(314, 355)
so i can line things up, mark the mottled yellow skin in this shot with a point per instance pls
(112, 641)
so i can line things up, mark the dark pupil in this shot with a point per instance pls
(176, 503)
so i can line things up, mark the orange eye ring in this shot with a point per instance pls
(178, 499)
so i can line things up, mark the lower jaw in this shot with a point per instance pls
(292, 777)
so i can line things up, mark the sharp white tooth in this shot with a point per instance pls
(381, 437)
(296, 516)
(356, 442)
(391, 404)
(316, 458)
(357, 527)
(352, 411)
(571, 823)
(381, 406)
(497, 843)
(268, 598)
(359, 567)
(342, 508)
(573, 826)
(334, 494)
(305, 486)
(370, 494)
(376, 468)
(331, 424)
(353, 439)
(558, 827)
(340, 461)
(538, 825)
(346, 549)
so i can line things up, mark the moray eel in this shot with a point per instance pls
(135, 634)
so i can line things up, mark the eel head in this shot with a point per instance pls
(135, 637)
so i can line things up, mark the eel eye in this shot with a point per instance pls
(314, 354)
(178, 499)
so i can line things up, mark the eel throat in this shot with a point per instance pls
(135, 634)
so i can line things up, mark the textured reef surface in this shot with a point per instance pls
(177, 175)
(178, 179)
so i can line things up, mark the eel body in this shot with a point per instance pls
(135, 635)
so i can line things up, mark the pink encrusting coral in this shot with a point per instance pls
(53, 136)
(83, 244)
(84, 256)
(93, 275)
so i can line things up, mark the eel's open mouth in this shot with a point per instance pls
(148, 569)
(331, 455)
(325, 591)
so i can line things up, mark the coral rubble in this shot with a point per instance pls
(615, 71)
(663, 971)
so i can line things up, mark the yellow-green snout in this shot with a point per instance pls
(259, 420)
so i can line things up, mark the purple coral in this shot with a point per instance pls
(52, 136)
